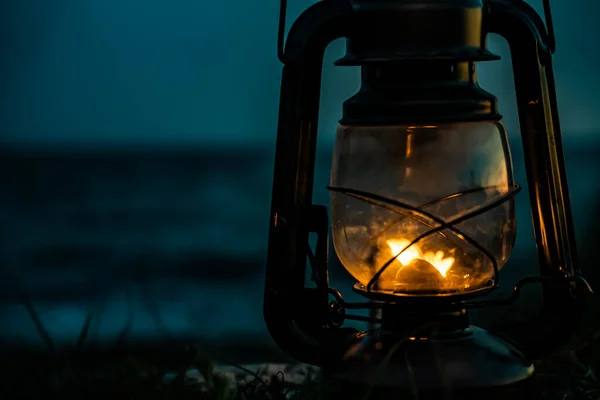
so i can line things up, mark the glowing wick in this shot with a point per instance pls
(436, 259)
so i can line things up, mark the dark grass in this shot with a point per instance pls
(571, 372)
(142, 375)
(136, 377)
(139, 372)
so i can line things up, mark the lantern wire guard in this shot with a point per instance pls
(418, 214)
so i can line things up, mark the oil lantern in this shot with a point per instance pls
(422, 197)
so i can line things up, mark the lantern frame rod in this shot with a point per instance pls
(294, 314)
(530, 46)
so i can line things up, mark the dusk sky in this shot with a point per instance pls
(89, 72)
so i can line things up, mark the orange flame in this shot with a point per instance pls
(437, 259)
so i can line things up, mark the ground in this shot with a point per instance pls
(569, 374)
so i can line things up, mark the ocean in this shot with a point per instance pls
(173, 241)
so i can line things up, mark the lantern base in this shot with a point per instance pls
(470, 363)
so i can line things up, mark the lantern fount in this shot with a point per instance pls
(422, 198)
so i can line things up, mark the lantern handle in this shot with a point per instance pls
(549, 24)
(531, 49)
(296, 316)
(281, 31)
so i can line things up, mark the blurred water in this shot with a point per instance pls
(178, 234)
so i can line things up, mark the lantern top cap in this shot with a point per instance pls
(394, 30)
(417, 3)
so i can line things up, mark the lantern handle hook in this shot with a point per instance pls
(281, 30)
(549, 26)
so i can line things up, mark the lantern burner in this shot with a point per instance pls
(456, 366)
(433, 350)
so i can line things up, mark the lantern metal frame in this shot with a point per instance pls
(302, 321)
